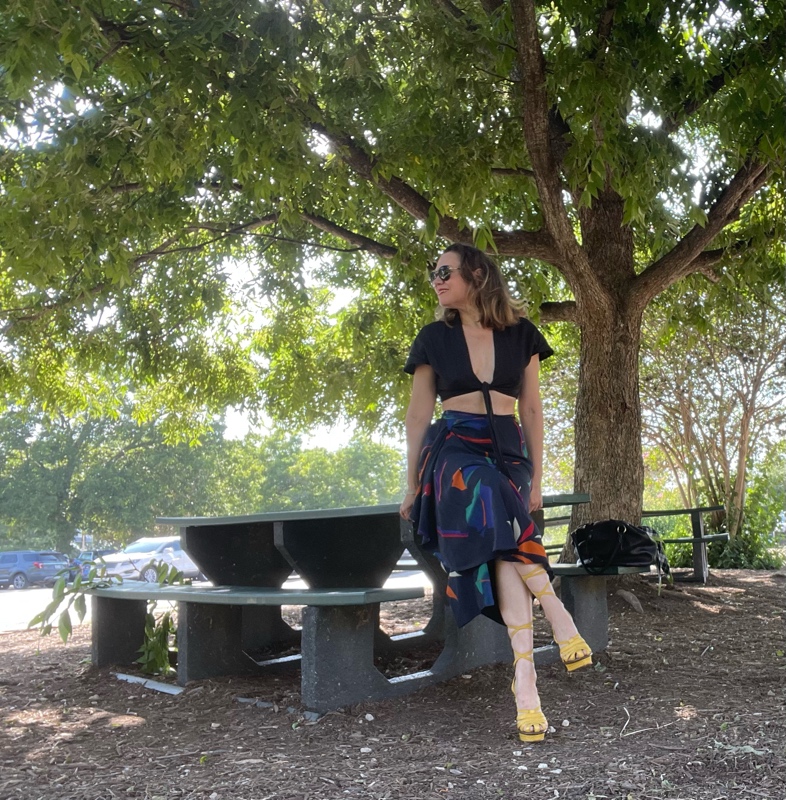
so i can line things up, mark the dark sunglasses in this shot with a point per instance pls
(443, 273)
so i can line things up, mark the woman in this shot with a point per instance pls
(474, 475)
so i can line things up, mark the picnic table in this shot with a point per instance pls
(345, 557)
(699, 539)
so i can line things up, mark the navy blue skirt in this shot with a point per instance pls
(469, 513)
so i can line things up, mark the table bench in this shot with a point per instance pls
(249, 559)
(337, 644)
(701, 569)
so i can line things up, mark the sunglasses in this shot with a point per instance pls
(443, 273)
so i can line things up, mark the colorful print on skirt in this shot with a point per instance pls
(469, 513)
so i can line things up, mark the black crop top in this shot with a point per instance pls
(444, 348)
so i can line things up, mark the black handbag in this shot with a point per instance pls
(614, 543)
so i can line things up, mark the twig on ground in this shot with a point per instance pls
(627, 722)
(644, 730)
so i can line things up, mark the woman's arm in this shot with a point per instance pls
(531, 416)
(420, 412)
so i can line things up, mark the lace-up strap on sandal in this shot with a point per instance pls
(514, 629)
(538, 593)
(575, 653)
(526, 655)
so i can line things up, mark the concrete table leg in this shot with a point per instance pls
(118, 630)
(209, 642)
(584, 597)
(338, 657)
(477, 644)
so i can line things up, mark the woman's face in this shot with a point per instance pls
(453, 291)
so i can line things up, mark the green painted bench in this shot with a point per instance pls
(701, 569)
(337, 642)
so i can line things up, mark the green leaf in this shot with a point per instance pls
(80, 607)
(59, 588)
(64, 626)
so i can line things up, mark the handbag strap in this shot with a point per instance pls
(595, 570)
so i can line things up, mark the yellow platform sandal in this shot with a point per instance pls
(569, 649)
(570, 653)
(531, 722)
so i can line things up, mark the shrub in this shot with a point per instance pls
(748, 550)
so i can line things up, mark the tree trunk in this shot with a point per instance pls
(609, 464)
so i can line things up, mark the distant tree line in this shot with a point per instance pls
(111, 477)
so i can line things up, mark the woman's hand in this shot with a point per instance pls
(535, 497)
(406, 505)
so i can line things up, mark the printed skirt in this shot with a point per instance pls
(469, 513)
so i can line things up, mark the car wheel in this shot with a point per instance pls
(149, 574)
(19, 581)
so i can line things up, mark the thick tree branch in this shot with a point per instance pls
(681, 259)
(603, 31)
(558, 312)
(532, 244)
(360, 241)
(738, 61)
(491, 6)
(538, 137)
(450, 9)
(527, 173)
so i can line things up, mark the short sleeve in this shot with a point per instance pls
(541, 346)
(417, 353)
(534, 343)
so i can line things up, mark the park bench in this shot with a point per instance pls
(345, 557)
(699, 539)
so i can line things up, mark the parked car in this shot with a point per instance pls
(139, 559)
(86, 558)
(23, 568)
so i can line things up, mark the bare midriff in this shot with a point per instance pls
(472, 403)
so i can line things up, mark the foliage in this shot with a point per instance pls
(159, 631)
(160, 641)
(714, 387)
(112, 477)
(765, 509)
(750, 549)
(604, 151)
(67, 596)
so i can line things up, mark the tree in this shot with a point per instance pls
(112, 478)
(605, 150)
(107, 477)
(714, 390)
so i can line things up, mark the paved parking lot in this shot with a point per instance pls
(17, 608)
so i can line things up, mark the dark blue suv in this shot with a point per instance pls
(23, 568)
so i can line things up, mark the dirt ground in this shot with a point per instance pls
(688, 702)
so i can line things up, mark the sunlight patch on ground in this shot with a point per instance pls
(686, 712)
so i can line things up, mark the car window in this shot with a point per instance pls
(29, 558)
(51, 558)
(9, 558)
(141, 546)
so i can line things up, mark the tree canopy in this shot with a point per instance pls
(604, 150)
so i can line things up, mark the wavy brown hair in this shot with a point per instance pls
(487, 290)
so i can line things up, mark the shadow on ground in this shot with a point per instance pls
(688, 703)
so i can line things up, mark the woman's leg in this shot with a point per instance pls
(515, 604)
(575, 651)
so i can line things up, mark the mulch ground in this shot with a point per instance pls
(688, 702)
